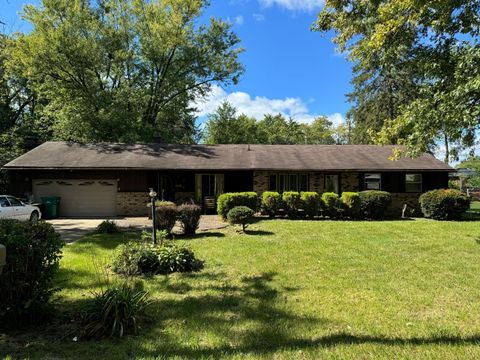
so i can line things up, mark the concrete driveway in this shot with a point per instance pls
(73, 229)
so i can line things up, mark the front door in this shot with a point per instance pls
(208, 186)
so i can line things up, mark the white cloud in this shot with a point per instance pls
(258, 106)
(258, 17)
(294, 5)
(239, 20)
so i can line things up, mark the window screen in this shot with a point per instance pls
(373, 181)
(331, 183)
(413, 182)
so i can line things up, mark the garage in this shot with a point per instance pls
(80, 198)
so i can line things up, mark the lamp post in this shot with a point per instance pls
(153, 198)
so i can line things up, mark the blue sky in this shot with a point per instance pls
(289, 69)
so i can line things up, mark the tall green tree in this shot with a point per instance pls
(416, 69)
(122, 70)
(224, 126)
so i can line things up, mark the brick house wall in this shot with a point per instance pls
(132, 203)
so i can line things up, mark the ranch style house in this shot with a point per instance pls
(103, 180)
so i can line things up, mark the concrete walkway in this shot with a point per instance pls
(73, 229)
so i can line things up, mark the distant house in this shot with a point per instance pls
(113, 179)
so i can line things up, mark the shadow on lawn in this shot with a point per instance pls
(247, 317)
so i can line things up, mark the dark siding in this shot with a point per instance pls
(239, 181)
(435, 180)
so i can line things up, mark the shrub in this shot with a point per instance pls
(114, 311)
(271, 203)
(126, 261)
(137, 258)
(166, 217)
(189, 216)
(351, 204)
(33, 255)
(292, 203)
(331, 205)
(228, 201)
(108, 227)
(310, 203)
(240, 215)
(174, 258)
(448, 204)
(374, 204)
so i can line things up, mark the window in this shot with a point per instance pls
(14, 202)
(413, 182)
(288, 182)
(373, 181)
(332, 183)
(4, 202)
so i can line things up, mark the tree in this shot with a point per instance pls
(472, 163)
(225, 127)
(320, 131)
(122, 70)
(416, 69)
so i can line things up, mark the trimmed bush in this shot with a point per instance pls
(189, 216)
(108, 227)
(351, 204)
(310, 203)
(331, 205)
(271, 203)
(228, 201)
(292, 203)
(114, 312)
(166, 217)
(374, 204)
(33, 255)
(444, 204)
(240, 215)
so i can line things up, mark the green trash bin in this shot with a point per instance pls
(52, 205)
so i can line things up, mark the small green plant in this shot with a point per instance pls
(351, 204)
(310, 203)
(228, 201)
(331, 205)
(444, 204)
(189, 216)
(114, 311)
(271, 203)
(240, 215)
(173, 258)
(108, 227)
(136, 258)
(292, 203)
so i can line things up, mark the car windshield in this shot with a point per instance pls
(4, 202)
(14, 202)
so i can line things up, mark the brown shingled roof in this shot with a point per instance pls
(63, 155)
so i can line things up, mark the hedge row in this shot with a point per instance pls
(366, 204)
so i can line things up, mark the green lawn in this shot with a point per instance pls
(291, 289)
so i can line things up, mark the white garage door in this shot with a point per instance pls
(80, 198)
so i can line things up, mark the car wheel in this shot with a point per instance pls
(34, 216)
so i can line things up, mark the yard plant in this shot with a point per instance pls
(444, 204)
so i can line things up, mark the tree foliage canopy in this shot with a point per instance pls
(416, 69)
(122, 70)
(224, 126)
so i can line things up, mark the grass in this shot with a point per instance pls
(290, 290)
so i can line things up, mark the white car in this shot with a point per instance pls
(13, 208)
